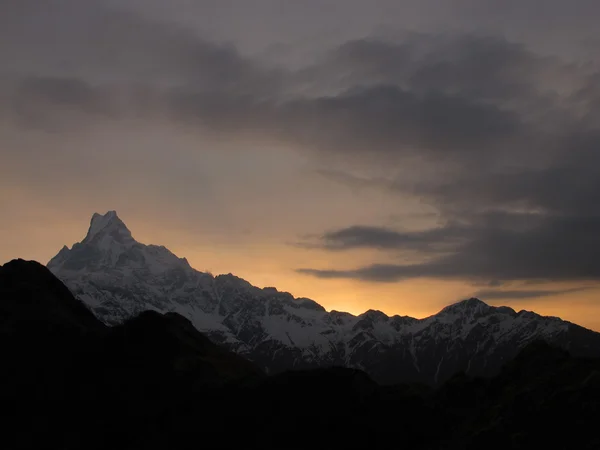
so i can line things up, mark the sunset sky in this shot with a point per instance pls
(397, 155)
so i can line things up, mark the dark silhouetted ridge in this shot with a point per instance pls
(31, 296)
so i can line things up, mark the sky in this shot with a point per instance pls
(397, 155)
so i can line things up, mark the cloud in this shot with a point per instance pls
(449, 99)
(497, 246)
(106, 44)
(67, 58)
(385, 107)
(527, 202)
(526, 294)
(477, 66)
(361, 236)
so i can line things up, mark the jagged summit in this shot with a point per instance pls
(109, 245)
(109, 225)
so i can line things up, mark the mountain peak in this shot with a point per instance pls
(374, 315)
(109, 245)
(108, 224)
(471, 306)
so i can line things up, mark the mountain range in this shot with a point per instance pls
(69, 381)
(118, 278)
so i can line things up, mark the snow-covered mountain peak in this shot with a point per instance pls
(106, 228)
(108, 246)
(470, 308)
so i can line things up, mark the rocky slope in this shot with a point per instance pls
(118, 278)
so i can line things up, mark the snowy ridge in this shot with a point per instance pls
(118, 277)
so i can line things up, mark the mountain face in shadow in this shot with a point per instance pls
(119, 278)
(68, 381)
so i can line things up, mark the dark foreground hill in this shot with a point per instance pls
(68, 381)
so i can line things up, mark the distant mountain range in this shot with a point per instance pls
(69, 381)
(118, 278)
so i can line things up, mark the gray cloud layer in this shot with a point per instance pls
(502, 141)
(516, 153)
(525, 294)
